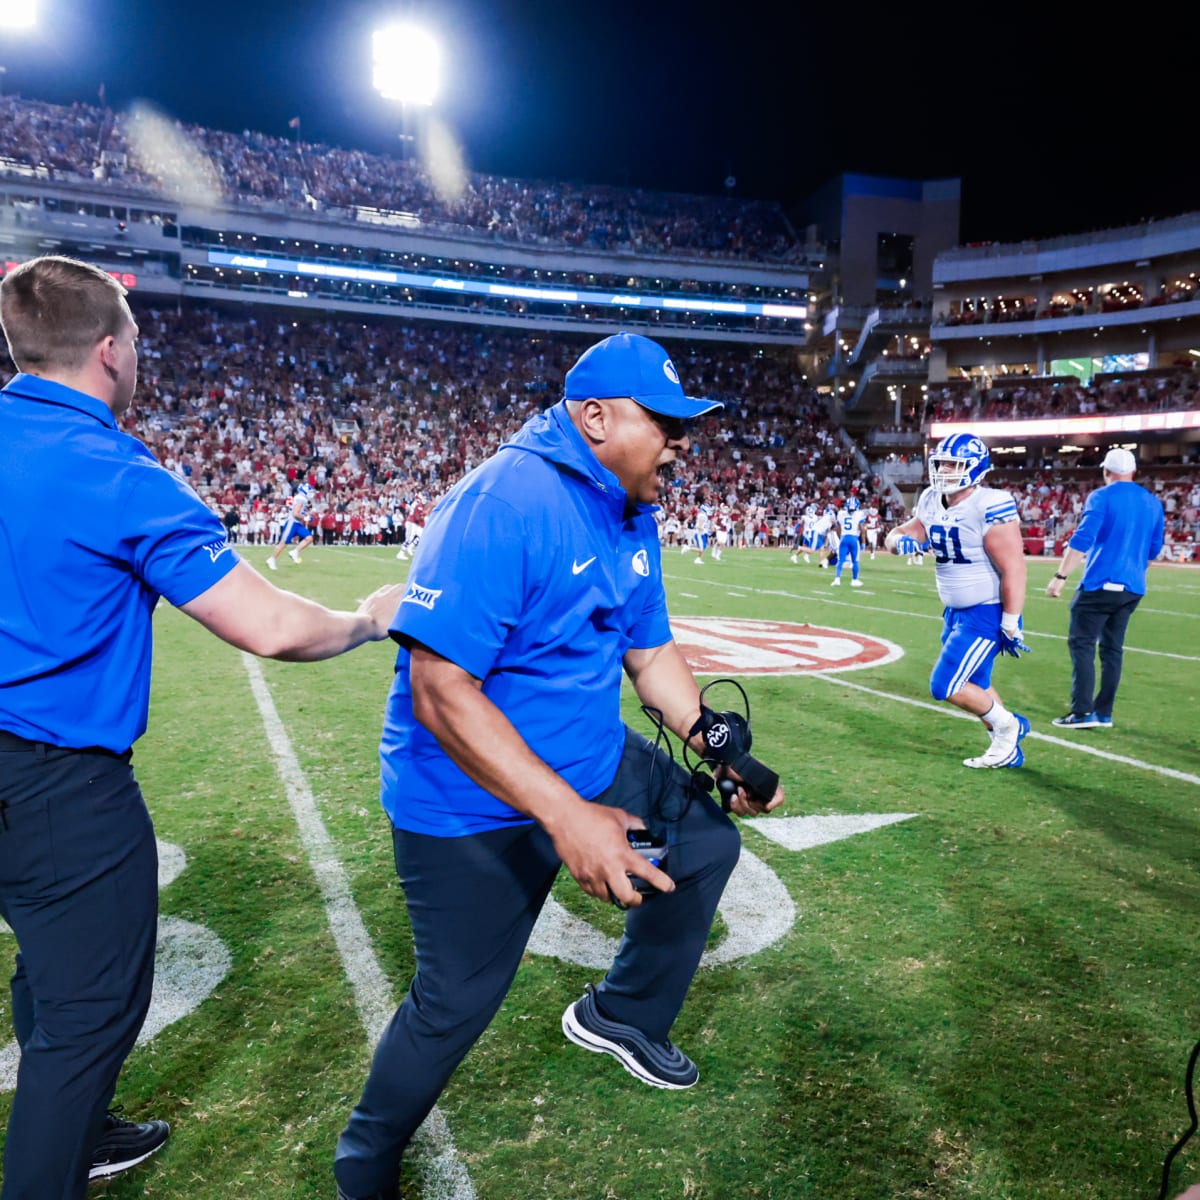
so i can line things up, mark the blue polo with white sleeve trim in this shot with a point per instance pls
(531, 577)
(92, 531)
(1120, 534)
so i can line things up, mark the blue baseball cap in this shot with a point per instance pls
(628, 364)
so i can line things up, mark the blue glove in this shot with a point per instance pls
(1012, 641)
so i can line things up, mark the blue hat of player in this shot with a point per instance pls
(628, 364)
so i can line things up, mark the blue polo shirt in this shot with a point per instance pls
(1121, 533)
(92, 531)
(532, 577)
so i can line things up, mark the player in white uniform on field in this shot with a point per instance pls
(294, 529)
(848, 521)
(808, 533)
(871, 528)
(701, 528)
(975, 536)
(827, 535)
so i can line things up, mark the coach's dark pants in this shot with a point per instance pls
(79, 887)
(473, 902)
(1102, 617)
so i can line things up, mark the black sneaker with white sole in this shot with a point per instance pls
(1074, 720)
(660, 1064)
(124, 1144)
(392, 1195)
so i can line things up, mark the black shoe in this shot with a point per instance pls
(1074, 720)
(124, 1144)
(659, 1064)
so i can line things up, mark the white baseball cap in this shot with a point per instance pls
(1119, 462)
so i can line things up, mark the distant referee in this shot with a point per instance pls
(1120, 534)
(92, 531)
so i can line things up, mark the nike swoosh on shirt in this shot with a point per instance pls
(577, 567)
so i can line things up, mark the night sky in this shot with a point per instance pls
(1056, 122)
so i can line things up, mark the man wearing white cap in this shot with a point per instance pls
(1120, 534)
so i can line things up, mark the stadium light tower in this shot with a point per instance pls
(407, 64)
(18, 14)
(406, 68)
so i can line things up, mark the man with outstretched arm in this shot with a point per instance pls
(92, 532)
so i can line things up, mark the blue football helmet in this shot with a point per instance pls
(810, 510)
(957, 462)
(852, 504)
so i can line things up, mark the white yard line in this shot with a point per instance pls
(1078, 746)
(824, 598)
(445, 1176)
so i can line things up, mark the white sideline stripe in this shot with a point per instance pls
(445, 1175)
(823, 598)
(1081, 747)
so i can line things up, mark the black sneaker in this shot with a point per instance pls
(124, 1144)
(392, 1195)
(1074, 720)
(660, 1064)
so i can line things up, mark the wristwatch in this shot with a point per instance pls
(1059, 575)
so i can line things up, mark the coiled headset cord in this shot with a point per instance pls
(1189, 1080)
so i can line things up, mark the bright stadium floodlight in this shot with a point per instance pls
(406, 64)
(18, 14)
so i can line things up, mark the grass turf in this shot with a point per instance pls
(994, 998)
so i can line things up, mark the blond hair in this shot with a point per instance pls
(54, 310)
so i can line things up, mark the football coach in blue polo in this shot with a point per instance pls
(538, 585)
(92, 532)
(1120, 534)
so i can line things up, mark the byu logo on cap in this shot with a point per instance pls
(670, 372)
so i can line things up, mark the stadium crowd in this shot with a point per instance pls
(97, 143)
(1013, 398)
(1050, 507)
(383, 419)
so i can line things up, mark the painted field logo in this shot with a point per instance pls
(729, 646)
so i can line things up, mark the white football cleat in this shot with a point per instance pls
(401, 554)
(856, 583)
(294, 555)
(1005, 750)
(835, 583)
(272, 564)
(796, 560)
(806, 558)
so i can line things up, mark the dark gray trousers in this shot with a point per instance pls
(79, 887)
(473, 902)
(1098, 617)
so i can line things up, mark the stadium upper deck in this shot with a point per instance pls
(105, 187)
(258, 170)
(1118, 299)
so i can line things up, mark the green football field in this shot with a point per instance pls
(926, 981)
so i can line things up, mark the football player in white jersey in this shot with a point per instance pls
(701, 528)
(808, 533)
(871, 527)
(294, 529)
(826, 534)
(975, 537)
(848, 521)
